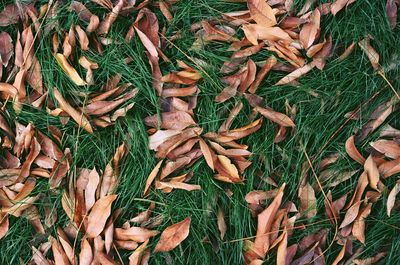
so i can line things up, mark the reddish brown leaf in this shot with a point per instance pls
(359, 224)
(152, 176)
(308, 201)
(173, 235)
(221, 223)
(389, 148)
(6, 48)
(177, 120)
(264, 222)
(352, 151)
(271, 61)
(339, 5)
(296, 74)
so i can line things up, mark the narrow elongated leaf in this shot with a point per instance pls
(69, 70)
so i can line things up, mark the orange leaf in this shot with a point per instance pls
(69, 70)
(261, 13)
(275, 116)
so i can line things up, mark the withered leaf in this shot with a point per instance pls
(221, 223)
(255, 32)
(173, 235)
(152, 176)
(391, 11)
(78, 117)
(310, 30)
(6, 48)
(392, 198)
(371, 53)
(208, 153)
(339, 5)
(137, 234)
(359, 224)
(69, 70)
(296, 74)
(352, 151)
(276, 117)
(261, 13)
(98, 216)
(308, 201)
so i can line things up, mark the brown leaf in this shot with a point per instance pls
(391, 12)
(177, 185)
(6, 48)
(83, 38)
(281, 253)
(371, 53)
(26, 166)
(136, 257)
(60, 257)
(276, 117)
(177, 120)
(370, 261)
(4, 225)
(228, 92)
(261, 13)
(137, 234)
(389, 168)
(352, 151)
(69, 70)
(347, 52)
(308, 201)
(98, 216)
(372, 171)
(9, 15)
(359, 224)
(255, 32)
(339, 5)
(153, 174)
(295, 74)
(86, 254)
(392, 198)
(264, 222)
(208, 153)
(351, 214)
(310, 31)
(76, 115)
(173, 235)
(85, 15)
(110, 18)
(271, 61)
(221, 223)
(389, 148)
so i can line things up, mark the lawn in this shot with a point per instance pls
(322, 98)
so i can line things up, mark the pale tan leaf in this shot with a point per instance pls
(295, 74)
(275, 116)
(221, 223)
(392, 198)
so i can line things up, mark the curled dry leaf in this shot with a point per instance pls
(391, 12)
(173, 235)
(310, 31)
(339, 5)
(98, 216)
(352, 151)
(359, 224)
(69, 70)
(76, 115)
(389, 148)
(371, 53)
(255, 32)
(308, 201)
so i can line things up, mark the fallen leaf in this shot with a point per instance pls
(153, 174)
(255, 32)
(371, 53)
(295, 74)
(276, 117)
(137, 234)
(352, 151)
(208, 153)
(271, 61)
(221, 223)
(392, 198)
(261, 13)
(264, 222)
(98, 216)
(308, 201)
(391, 12)
(69, 70)
(359, 224)
(173, 235)
(351, 214)
(389, 148)
(339, 5)
(78, 117)
(6, 48)
(310, 31)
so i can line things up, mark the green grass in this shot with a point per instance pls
(322, 100)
